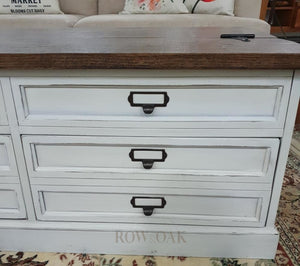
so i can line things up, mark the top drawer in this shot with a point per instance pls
(143, 102)
(3, 118)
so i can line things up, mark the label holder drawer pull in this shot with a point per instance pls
(148, 108)
(148, 209)
(148, 163)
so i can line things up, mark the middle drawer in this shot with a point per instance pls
(211, 159)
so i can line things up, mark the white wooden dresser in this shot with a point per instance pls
(183, 159)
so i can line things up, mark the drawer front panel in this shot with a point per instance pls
(247, 160)
(11, 202)
(189, 103)
(3, 117)
(7, 158)
(205, 207)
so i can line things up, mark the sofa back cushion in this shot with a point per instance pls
(243, 8)
(110, 6)
(80, 7)
(247, 8)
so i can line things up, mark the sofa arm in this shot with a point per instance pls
(247, 8)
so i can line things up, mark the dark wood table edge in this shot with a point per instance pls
(149, 61)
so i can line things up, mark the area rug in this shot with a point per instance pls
(287, 223)
(288, 216)
(63, 259)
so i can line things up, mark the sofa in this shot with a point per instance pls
(105, 13)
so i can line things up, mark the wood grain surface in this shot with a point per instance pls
(144, 48)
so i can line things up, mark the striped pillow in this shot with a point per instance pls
(216, 7)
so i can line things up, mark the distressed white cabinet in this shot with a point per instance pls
(107, 154)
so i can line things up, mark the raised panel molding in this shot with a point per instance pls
(11, 202)
(194, 102)
(8, 166)
(231, 159)
(193, 207)
(3, 115)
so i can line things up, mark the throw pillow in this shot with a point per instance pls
(29, 7)
(154, 7)
(216, 7)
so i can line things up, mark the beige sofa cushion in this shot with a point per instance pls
(243, 8)
(38, 21)
(171, 20)
(81, 7)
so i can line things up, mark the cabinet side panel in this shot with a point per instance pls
(284, 148)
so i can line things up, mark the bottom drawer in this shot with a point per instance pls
(170, 206)
(11, 202)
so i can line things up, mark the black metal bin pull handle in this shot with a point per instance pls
(148, 108)
(147, 163)
(148, 209)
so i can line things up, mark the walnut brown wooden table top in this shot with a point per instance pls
(143, 48)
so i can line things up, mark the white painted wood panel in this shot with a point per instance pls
(8, 167)
(143, 242)
(3, 116)
(111, 227)
(285, 147)
(22, 177)
(110, 179)
(198, 207)
(232, 159)
(155, 132)
(194, 102)
(11, 202)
